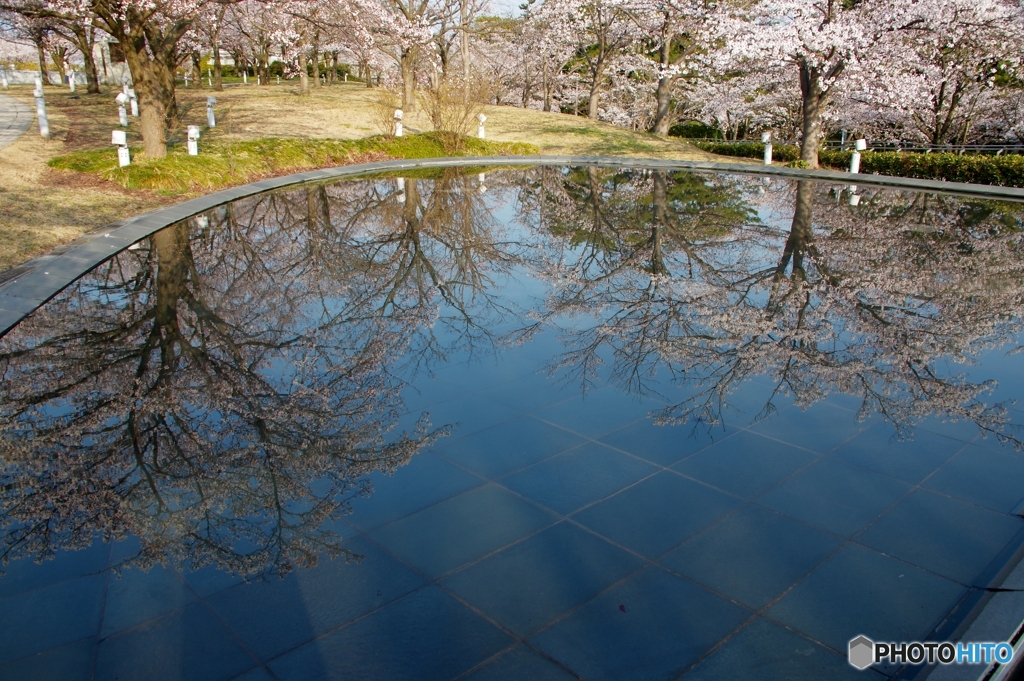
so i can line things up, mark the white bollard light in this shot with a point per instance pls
(766, 139)
(279, 80)
(186, 80)
(245, 77)
(193, 140)
(209, 76)
(44, 123)
(259, 79)
(3, 78)
(39, 84)
(120, 138)
(71, 81)
(133, 101)
(211, 120)
(346, 76)
(122, 115)
(398, 122)
(860, 145)
(480, 127)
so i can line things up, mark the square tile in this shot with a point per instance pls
(428, 391)
(598, 412)
(137, 596)
(532, 392)
(50, 617)
(912, 461)
(953, 538)
(820, 428)
(186, 645)
(521, 664)
(987, 477)
(507, 447)
(26, 574)
(277, 615)
(652, 626)
(664, 445)
(463, 415)
(531, 583)
(658, 513)
(767, 652)
(462, 529)
(753, 555)
(860, 591)
(424, 481)
(836, 496)
(577, 477)
(425, 636)
(72, 662)
(745, 464)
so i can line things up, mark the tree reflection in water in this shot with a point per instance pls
(869, 301)
(222, 391)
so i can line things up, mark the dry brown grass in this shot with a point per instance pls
(41, 208)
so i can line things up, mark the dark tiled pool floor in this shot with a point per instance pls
(553, 537)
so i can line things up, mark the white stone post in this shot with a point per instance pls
(766, 139)
(122, 115)
(71, 81)
(480, 118)
(193, 140)
(245, 77)
(44, 124)
(186, 78)
(3, 78)
(346, 76)
(398, 123)
(133, 101)
(279, 80)
(120, 138)
(209, 76)
(211, 120)
(860, 145)
(259, 79)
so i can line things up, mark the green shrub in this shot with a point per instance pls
(1006, 171)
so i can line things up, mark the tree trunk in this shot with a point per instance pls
(84, 45)
(814, 101)
(547, 86)
(662, 120)
(218, 69)
(303, 76)
(316, 62)
(153, 78)
(595, 90)
(42, 64)
(58, 59)
(408, 63)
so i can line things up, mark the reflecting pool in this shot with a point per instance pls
(543, 423)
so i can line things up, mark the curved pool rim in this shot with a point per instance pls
(28, 286)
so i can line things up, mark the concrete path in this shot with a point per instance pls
(15, 119)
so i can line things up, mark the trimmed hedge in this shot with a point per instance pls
(1004, 171)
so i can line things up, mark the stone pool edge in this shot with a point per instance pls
(27, 286)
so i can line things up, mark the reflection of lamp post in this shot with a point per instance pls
(193, 140)
(401, 189)
(120, 138)
(482, 187)
(211, 120)
(398, 122)
(766, 139)
(480, 128)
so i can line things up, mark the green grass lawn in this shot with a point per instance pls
(223, 163)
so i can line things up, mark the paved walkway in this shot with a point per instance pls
(15, 118)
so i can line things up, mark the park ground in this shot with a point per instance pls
(42, 207)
